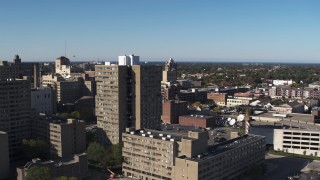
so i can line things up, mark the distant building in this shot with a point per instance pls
(65, 138)
(75, 167)
(128, 60)
(172, 109)
(219, 99)
(4, 151)
(193, 95)
(62, 65)
(43, 100)
(150, 154)
(170, 71)
(68, 91)
(278, 82)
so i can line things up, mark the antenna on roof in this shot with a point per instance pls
(65, 48)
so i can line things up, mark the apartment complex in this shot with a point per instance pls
(151, 154)
(65, 138)
(127, 96)
(15, 113)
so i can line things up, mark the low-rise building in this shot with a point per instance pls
(297, 141)
(219, 99)
(75, 167)
(171, 110)
(197, 121)
(65, 138)
(151, 154)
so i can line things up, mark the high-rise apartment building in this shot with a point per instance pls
(15, 106)
(127, 96)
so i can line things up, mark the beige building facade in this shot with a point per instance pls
(127, 96)
(65, 138)
(151, 154)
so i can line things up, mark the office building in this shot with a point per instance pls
(127, 96)
(128, 60)
(15, 111)
(74, 167)
(4, 151)
(297, 141)
(172, 109)
(66, 138)
(150, 154)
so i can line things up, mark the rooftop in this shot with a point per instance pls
(224, 147)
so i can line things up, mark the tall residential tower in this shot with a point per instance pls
(127, 96)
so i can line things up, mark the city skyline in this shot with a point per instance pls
(234, 31)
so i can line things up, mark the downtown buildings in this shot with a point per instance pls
(128, 95)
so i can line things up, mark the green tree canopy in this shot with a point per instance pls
(75, 115)
(95, 152)
(39, 173)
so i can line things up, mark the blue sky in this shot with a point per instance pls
(217, 30)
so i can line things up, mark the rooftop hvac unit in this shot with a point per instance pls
(149, 132)
(163, 138)
(169, 136)
(144, 135)
(141, 131)
(172, 139)
(160, 135)
(151, 136)
(132, 132)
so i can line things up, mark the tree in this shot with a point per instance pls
(35, 148)
(39, 173)
(75, 115)
(113, 156)
(95, 152)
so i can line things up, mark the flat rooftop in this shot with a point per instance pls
(291, 116)
(224, 147)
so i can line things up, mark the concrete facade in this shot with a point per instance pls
(297, 141)
(127, 96)
(65, 138)
(150, 154)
